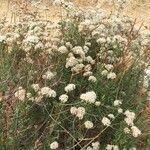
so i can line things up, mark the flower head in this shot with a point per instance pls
(88, 124)
(20, 93)
(117, 102)
(111, 75)
(92, 79)
(63, 49)
(106, 121)
(135, 131)
(63, 98)
(89, 97)
(35, 87)
(70, 87)
(54, 145)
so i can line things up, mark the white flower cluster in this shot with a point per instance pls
(106, 121)
(76, 59)
(108, 72)
(78, 112)
(89, 97)
(48, 75)
(111, 75)
(112, 147)
(117, 102)
(92, 79)
(31, 36)
(70, 87)
(130, 116)
(97, 103)
(126, 130)
(36, 87)
(46, 91)
(40, 93)
(88, 124)
(67, 5)
(20, 93)
(120, 4)
(31, 39)
(58, 2)
(111, 116)
(2, 38)
(71, 61)
(120, 110)
(135, 131)
(94, 146)
(63, 98)
(78, 50)
(54, 145)
(62, 49)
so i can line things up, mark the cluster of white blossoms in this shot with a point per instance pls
(109, 67)
(54, 145)
(135, 131)
(46, 91)
(97, 103)
(120, 110)
(78, 50)
(65, 4)
(111, 116)
(108, 71)
(89, 97)
(94, 146)
(117, 102)
(71, 61)
(126, 130)
(106, 121)
(75, 63)
(36, 87)
(92, 79)
(70, 87)
(63, 98)
(58, 2)
(112, 147)
(130, 117)
(48, 75)
(2, 38)
(78, 62)
(63, 49)
(41, 92)
(88, 124)
(20, 93)
(31, 36)
(78, 112)
(31, 39)
(111, 75)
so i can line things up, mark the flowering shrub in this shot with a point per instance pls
(78, 84)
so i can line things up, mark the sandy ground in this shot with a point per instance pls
(139, 9)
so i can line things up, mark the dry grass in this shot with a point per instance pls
(139, 9)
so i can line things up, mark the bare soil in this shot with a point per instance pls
(139, 9)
